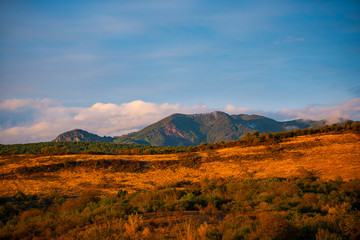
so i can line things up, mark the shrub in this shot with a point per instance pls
(30, 214)
(133, 224)
(121, 193)
(274, 226)
(80, 202)
(189, 202)
(190, 160)
(324, 234)
(308, 175)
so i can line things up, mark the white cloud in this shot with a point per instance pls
(332, 113)
(14, 104)
(50, 118)
(237, 110)
(348, 110)
(119, 119)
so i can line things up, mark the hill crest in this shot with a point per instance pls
(79, 135)
(192, 129)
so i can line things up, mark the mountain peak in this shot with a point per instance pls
(79, 135)
(193, 129)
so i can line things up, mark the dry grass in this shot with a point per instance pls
(330, 156)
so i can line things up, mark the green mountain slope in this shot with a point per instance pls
(193, 129)
(78, 135)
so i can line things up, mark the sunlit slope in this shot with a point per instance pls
(327, 156)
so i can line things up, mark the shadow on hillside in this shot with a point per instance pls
(35, 172)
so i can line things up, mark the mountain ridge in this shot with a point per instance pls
(192, 129)
(79, 135)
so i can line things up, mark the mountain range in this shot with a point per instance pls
(193, 129)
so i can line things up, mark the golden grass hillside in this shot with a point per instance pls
(327, 156)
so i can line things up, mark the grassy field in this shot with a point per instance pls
(327, 156)
(306, 187)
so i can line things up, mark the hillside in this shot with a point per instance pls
(193, 129)
(109, 148)
(78, 135)
(304, 187)
(330, 155)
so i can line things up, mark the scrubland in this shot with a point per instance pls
(305, 187)
(329, 156)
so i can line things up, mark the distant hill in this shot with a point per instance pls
(193, 129)
(78, 135)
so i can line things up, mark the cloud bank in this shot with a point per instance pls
(50, 118)
(348, 110)
(34, 120)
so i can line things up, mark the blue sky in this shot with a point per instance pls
(267, 57)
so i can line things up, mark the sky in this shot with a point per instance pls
(113, 67)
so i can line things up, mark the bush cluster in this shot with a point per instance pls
(273, 208)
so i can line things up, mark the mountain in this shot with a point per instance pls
(78, 135)
(193, 129)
